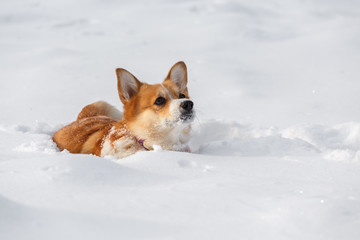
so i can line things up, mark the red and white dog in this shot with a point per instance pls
(154, 115)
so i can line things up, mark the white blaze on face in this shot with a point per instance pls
(166, 91)
(174, 108)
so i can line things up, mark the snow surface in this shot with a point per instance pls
(276, 144)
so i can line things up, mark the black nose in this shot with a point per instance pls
(187, 105)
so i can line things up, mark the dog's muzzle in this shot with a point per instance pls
(187, 112)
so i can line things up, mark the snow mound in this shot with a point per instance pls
(216, 137)
(41, 143)
(35, 138)
(340, 142)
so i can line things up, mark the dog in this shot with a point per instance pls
(155, 116)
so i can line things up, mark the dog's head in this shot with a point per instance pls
(159, 113)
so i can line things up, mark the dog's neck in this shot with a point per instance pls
(173, 139)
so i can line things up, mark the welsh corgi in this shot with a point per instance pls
(157, 115)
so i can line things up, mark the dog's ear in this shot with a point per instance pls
(128, 85)
(178, 74)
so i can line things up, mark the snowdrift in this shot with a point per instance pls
(275, 148)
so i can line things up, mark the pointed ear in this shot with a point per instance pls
(128, 85)
(178, 74)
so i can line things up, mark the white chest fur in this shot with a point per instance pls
(121, 147)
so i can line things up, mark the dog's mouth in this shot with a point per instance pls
(182, 118)
(186, 117)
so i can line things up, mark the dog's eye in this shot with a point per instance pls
(160, 101)
(181, 95)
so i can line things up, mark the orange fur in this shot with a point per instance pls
(100, 108)
(98, 129)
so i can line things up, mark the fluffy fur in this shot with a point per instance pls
(154, 115)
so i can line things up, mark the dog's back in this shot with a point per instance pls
(86, 133)
(100, 108)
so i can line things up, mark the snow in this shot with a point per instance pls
(275, 146)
